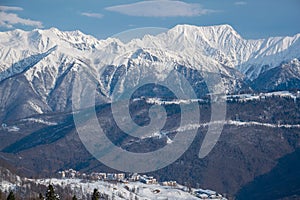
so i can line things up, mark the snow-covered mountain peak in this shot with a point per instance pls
(192, 29)
(206, 45)
(213, 34)
(111, 42)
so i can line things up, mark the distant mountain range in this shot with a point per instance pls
(38, 68)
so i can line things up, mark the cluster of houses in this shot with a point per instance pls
(147, 179)
(71, 173)
(169, 183)
(119, 177)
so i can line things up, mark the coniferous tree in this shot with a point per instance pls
(96, 195)
(11, 196)
(50, 195)
(41, 197)
(74, 197)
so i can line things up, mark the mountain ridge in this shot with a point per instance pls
(50, 60)
(221, 37)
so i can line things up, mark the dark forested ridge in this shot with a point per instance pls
(244, 152)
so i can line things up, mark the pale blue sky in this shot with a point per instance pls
(104, 18)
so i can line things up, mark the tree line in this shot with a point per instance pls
(52, 195)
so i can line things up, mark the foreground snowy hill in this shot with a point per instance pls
(109, 189)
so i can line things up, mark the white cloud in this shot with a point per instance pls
(10, 8)
(240, 3)
(95, 15)
(161, 8)
(8, 20)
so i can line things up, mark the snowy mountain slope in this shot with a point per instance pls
(47, 62)
(271, 53)
(225, 45)
(286, 76)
